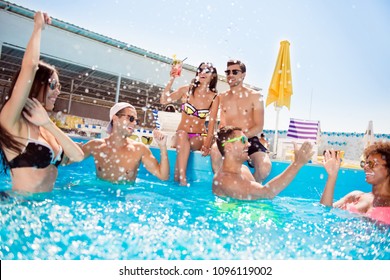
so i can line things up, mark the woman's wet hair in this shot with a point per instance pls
(41, 80)
(40, 83)
(214, 79)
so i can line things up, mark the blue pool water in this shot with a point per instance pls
(86, 218)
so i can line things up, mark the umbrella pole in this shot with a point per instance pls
(277, 109)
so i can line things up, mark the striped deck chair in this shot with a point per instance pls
(300, 131)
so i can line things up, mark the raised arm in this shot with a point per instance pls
(11, 112)
(280, 182)
(243, 186)
(89, 147)
(332, 165)
(167, 96)
(258, 114)
(38, 116)
(161, 170)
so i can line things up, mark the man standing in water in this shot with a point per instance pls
(117, 157)
(244, 108)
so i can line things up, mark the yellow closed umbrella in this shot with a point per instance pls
(280, 89)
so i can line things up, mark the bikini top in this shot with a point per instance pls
(191, 110)
(36, 154)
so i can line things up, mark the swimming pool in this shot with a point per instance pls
(86, 218)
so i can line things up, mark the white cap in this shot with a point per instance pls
(114, 110)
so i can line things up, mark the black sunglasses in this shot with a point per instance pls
(234, 72)
(53, 84)
(131, 118)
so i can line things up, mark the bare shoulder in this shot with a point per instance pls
(220, 185)
(94, 143)
(255, 94)
(139, 146)
(224, 93)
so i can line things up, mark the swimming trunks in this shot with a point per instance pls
(255, 147)
(191, 110)
(36, 154)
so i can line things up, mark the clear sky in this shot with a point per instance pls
(340, 50)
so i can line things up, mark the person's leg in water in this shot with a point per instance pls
(216, 158)
(259, 159)
(183, 152)
(262, 164)
(185, 142)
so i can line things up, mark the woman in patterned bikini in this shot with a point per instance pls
(198, 104)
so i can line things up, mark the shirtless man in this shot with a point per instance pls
(117, 157)
(244, 108)
(235, 180)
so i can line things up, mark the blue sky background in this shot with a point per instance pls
(340, 50)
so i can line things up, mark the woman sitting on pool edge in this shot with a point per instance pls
(198, 103)
(235, 179)
(375, 204)
(32, 146)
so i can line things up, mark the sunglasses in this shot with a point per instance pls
(234, 72)
(54, 84)
(243, 140)
(131, 118)
(371, 164)
(204, 70)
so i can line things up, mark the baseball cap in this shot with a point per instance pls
(114, 110)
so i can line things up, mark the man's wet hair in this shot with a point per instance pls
(224, 134)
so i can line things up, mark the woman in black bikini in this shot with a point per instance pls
(198, 103)
(31, 144)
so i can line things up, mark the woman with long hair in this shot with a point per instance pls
(198, 102)
(32, 146)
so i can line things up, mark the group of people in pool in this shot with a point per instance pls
(32, 146)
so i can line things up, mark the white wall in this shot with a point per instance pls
(16, 30)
